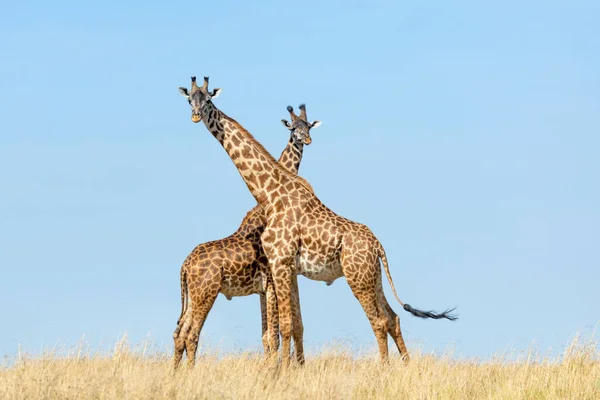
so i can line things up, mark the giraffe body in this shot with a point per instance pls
(233, 266)
(303, 236)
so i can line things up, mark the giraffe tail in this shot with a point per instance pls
(417, 313)
(184, 302)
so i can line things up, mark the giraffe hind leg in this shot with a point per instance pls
(198, 317)
(394, 329)
(376, 315)
(200, 299)
(179, 338)
(363, 275)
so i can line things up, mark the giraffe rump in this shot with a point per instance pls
(430, 314)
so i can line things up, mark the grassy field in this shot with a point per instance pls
(134, 374)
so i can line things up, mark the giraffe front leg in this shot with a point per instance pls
(297, 326)
(282, 275)
(272, 318)
(281, 255)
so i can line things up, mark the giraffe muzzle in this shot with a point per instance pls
(308, 140)
(196, 118)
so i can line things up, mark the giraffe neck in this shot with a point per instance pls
(260, 171)
(290, 159)
(291, 156)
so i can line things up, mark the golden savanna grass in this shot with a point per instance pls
(135, 374)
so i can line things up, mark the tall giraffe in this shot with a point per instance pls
(236, 266)
(303, 236)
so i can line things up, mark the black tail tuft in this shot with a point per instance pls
(430, 314)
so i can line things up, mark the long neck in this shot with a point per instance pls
(259, 170)
(291, 156)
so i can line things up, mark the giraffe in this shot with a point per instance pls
(302, 235)
(236, 266)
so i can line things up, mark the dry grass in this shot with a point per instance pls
(135, 374)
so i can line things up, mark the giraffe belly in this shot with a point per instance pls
(319, 269)
(237, 287)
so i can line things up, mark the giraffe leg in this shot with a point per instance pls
(281, 255)
(375, 314)
(264, 323)
(272, 319)
(199, 314)
(282, 279)
(203, 290)
(394, 329)
(297, 326)
(179, 338)
(363, 274)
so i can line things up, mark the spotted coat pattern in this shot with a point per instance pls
(302, 235)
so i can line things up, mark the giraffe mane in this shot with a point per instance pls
(249, 215)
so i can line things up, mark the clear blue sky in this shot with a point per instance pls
(465, 135)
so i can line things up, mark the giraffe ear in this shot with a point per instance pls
(215, 93)
(286, 123)
(184, 92)
(315, 124)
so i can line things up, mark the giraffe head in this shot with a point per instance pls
(198, 96)
(300, 127)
